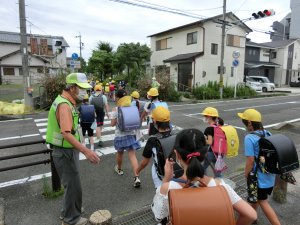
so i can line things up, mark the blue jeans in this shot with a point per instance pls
(212, 159)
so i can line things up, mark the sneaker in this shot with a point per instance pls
(82, 221)
(137, 182)
(82, 211)
(118, 171)
(100, 143)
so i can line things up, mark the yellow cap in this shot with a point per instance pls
(86, 97)
(153, 92)
(251, 115)
(98, 88)
(161, 114)
(135, 94)
(210, 111)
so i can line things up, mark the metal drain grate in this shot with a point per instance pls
(143, 216)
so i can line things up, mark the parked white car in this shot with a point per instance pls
(265, 83)
(251, 83)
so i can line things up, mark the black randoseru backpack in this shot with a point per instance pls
(279, 153)
(166, 148)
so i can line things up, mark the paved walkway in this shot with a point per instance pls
(293, 90)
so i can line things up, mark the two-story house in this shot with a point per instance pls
(43, 56)
(287, 54)
(258, 60)
(192, 52)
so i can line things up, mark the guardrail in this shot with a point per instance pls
(56, 184)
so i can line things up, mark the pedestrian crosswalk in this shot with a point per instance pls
(108, 135)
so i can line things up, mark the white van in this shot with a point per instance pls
(265, 83)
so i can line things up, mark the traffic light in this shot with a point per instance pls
(262, 14)
(58, 47)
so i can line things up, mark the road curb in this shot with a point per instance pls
(2, 211)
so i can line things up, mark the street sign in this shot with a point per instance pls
(75, 64)
(235, 62)
(236, 54)
(74, 56)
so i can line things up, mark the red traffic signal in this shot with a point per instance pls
(262, 14)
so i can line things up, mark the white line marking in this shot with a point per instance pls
(41, 124)
(17, 137)
(43, 130)
(41, 120)
(99, 151)
(5, 121)
(258, 106)
(24, 180)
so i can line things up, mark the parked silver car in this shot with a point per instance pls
(251, 83)
(266, 84)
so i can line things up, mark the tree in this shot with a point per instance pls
(101, 61)
(133, 55)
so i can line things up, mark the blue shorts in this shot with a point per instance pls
(126, 143)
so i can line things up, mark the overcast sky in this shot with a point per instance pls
(109, 21)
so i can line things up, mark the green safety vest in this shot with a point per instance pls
(54, 135)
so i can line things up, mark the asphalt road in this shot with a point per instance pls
(102, 188)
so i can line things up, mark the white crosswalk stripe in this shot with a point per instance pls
(108, 136)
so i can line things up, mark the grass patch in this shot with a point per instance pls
(47, 190)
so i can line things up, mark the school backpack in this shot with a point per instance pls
(158, 103)
(194, 206)
(98, 102)
(219, 145)
(87, 113)
(128, 118)
(277, 154)
(232, 140)
(165, 150)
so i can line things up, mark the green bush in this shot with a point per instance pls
(54, 85)
(167, 90)
(211, 91)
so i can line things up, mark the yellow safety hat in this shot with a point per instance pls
(153, 92)
(113, 81)
(251, 115)
(86, 97)
(97, 81)
(135, 94)
(210, 111)
(98, 88)
(161, 114)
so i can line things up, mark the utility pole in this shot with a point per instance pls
(28, 101)
(222, 49)
(80, 45)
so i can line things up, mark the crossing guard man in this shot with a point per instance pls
(63, 137)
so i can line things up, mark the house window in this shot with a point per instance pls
(192, 38)
(21, 71)
(214, 49)
(232, 71)
(8, 71)
(163, 44)
(273, 55)
(233, 40)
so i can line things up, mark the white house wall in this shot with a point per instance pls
(263, 53)
(178, 45)
(207, 63)
(8, 48)
(211, 62)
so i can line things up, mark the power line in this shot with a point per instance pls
(240, 6)
(160, 9)
(168, 8)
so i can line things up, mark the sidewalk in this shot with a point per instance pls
(292, 90)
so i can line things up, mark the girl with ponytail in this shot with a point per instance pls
(190, 150)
